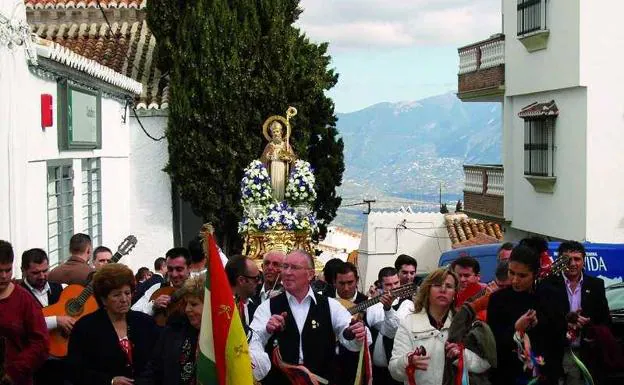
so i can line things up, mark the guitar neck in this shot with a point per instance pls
(360, 307)
(399, 292)
(88, 290)
(116, 257)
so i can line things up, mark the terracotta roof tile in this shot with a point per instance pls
(538, 110)
(464, 231)
(128, 49)
(68, 4)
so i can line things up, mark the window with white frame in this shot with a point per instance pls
(531, 16)
(92, 199)
(60, 210)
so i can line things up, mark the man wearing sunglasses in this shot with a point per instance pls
(303, 324)
(271, 269)
(243, 275)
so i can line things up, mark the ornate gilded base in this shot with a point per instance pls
(257, 243)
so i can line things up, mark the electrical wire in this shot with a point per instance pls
(109, 34)
(143, 128)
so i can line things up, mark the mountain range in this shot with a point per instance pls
(402, 154)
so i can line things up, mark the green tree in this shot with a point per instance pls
(232, 64)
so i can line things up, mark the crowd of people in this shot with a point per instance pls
(529, 324)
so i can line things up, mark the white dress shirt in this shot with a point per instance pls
(144, 304)
(387, 323)
(42, 297)
(340, 319)
(266, 294)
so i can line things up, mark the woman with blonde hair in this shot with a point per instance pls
(420, 346)
(175, 353)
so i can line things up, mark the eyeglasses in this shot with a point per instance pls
(256, 278)
(286, 266)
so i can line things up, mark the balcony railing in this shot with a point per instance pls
(482, 69)
(484, 190)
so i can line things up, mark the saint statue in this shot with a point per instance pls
(278, 155)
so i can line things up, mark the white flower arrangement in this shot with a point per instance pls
(262, 213)
(255, 185)
(300, 187)
(279, 215)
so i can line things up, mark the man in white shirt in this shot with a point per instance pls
(160, 273)
(178, 261)
(271, 269)
(383, 319)
(35, 268)
(304, 326)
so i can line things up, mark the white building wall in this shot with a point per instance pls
(562, 213)
(601, 65)
(30, 227)
(389, 234)
(553, 68)
(150, 192)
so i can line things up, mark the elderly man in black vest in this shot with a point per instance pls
(304, 326)
(35, 268)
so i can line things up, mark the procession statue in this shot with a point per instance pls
(278, 155)
(277, 195)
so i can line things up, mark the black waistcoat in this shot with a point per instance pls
(317, 337)
(53, 295)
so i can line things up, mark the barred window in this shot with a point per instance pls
(530, 16)
(92, 199)
(539, 146)
(60, 210)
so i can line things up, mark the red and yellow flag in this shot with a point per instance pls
(223, 357)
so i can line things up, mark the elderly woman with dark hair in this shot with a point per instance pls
(112, 345)
(420, 344)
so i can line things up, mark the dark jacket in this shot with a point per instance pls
(53, 295)
(143, 286)
(547, 337)
(593, 299)
(95, 356)
(164, 367)
(477, 337)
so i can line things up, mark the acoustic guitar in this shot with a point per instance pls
(175, 307)
(77, 301)
(399, 292)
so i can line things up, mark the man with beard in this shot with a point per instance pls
(35, 267)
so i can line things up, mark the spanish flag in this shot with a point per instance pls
(223, 357)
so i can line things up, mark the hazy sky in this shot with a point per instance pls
(395, 50)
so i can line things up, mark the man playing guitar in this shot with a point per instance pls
(178, 262)
(35, 267)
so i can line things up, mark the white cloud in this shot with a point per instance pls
(355, 24)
